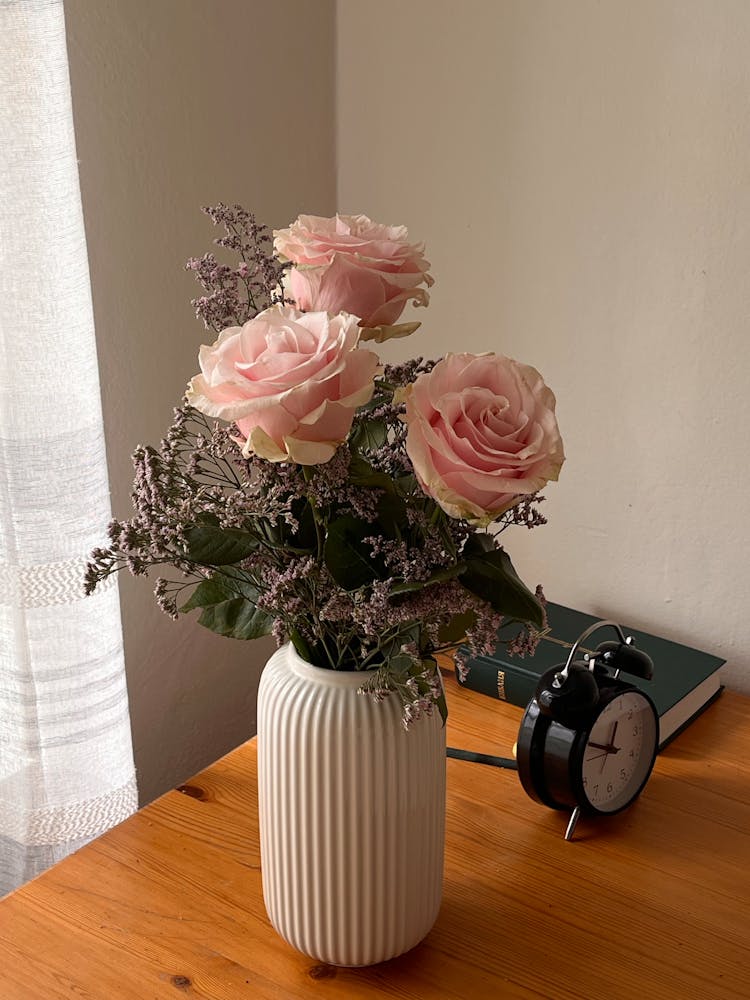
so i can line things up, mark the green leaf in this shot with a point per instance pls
(207, 518)
(300, 645)
(479, 543)
(206, 593)
(491, 576)
(440, 576)
(279, 534)
(408, 484)
(402, 665)
(369, 435)
(305, 538)
(442, 704)
(209, 545)
(408, 667)
(229, 605)
(455, 630)
(409, 634)
(237, 618)
(361, 473)
(391, 516)
(347, 557)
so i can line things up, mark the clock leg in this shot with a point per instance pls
(572, 823)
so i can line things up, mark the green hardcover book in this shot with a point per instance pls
(685, 680)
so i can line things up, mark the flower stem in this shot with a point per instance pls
(308, 473)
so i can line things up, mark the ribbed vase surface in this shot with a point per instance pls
(352, 814)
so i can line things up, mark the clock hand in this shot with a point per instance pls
(608, 748)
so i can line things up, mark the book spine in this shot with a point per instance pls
(502, 682)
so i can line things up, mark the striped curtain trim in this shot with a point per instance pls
(76, 821)
(46, 584)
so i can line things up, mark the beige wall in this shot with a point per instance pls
(580, 173)
(178, 104)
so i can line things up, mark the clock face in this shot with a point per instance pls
(619, 752)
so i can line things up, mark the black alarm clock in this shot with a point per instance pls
(588, 740)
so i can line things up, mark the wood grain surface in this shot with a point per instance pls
(653, 903)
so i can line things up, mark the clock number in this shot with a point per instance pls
(609, 788)
(623, 774)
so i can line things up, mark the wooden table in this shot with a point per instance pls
(654, 903)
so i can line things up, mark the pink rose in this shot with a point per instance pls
(481, 432)
(351, 264)
(290, 380)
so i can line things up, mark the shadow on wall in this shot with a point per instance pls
(168, 118)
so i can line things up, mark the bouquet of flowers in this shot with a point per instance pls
(309, 491)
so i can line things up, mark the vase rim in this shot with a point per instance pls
(341, 678)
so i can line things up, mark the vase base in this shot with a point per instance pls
(340, 960)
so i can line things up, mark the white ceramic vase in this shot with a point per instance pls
(352, 814)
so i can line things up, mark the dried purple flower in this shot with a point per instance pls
(234, 295)
(349, 560)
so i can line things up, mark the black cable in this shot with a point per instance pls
(482, 758)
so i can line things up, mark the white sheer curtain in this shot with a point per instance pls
(66, 763)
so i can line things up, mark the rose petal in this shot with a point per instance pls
(481, 432)
(290, 380)
(352, 264)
